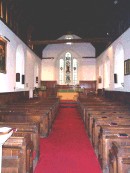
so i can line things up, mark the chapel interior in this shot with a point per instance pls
(64, 86)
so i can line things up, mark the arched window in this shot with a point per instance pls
(107, 73)
(36, 72)
(119, 66)
(68, 70)
(100, 76)
(61, 69)
(20, 67)
(75, 77)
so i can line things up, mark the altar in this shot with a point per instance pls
(67, 95)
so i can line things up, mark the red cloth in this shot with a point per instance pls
(67, 149)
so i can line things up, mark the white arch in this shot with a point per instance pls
(107, 73)
(119, 65)
(100, 76)
(36, 72)
(20, 57)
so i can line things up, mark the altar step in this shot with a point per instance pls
(68, 104)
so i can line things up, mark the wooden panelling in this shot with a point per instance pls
(49, 84)
(88, 84)
(50, 88)
(123, 97)
(13, 96)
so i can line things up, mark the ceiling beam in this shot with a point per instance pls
(88, 40)
(88, 57)
(47, 57)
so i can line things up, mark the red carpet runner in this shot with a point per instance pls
(67, 149)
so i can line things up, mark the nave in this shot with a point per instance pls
(67, 149)
(91, 134)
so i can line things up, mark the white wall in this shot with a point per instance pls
(111, 53)
(86, 67)
(8, 80)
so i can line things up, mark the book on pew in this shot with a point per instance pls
(122, 135)
(113, 124)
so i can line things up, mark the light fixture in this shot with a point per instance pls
(68, 37)
(5, 38)
(115, 2)
(99, 79)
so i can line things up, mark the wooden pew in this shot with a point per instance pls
(92, 115)
(17, 156)
(28, 118)
(101, 122)
(40, 118)
(108, 135)
(95, 104)
(47, 109)
(119, 157)
(33, 129)
(101, 111)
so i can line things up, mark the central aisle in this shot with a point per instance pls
(67, 149)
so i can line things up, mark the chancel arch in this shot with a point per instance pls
(58, 57)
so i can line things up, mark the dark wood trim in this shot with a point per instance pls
(87, 40)
(119, 96)
(18, 37)
(47, 57)
(10, 97)
(88, 57)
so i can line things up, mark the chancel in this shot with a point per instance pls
(64, 86)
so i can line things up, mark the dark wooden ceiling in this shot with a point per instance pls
(50, 19)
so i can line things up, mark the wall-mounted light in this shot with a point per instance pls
(68, 37)
(115, 78)
(5, 38)
(23, 79)
(99, 79)
(115, 2)
(37, 79)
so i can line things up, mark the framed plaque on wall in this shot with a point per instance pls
(3, 45)
(127, 67)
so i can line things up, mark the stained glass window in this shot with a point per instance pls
(75, 71)
(68, 70)
(61, 69)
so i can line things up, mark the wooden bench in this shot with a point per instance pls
(33, 109)
(33, 129)
(103, 114)
(32, 119)
(119, 157)
(110, 134)
(40, 118)
(101, 122)
(17, 155)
